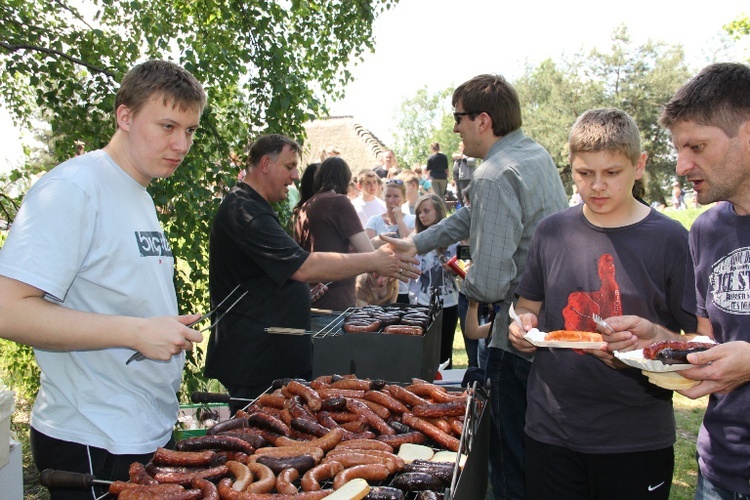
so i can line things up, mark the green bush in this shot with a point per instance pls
(18, 369)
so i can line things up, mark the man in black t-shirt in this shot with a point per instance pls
(437, 167)
(249, 247)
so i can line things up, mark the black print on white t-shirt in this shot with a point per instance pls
(730, 282)
(153, 244)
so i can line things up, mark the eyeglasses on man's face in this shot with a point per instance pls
(458, 115)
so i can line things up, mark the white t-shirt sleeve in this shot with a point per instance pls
(48, 243)
(376, 223)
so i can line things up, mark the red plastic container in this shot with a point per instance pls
(457, 267)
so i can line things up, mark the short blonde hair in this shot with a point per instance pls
(605, 129)
(408, 176)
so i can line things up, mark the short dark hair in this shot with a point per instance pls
(167, 79)
(333, 174)
(491, 94)
(718, 96)
(269, 145)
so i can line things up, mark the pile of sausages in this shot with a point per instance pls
(397, 320)
(305, 440)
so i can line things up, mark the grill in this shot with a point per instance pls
(375, 355)
(471, 482)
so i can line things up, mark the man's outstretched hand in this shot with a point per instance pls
(405, 249)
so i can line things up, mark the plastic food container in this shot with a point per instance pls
(195, 419)
(7, 407)
(457, 266)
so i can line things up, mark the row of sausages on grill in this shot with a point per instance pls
(273, 448)
(406, 321)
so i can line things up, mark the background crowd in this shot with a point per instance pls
(337, 208)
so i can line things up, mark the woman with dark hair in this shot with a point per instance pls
(436, 276)
(327, 222)
(306, 186)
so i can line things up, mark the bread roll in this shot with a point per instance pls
(670, 380)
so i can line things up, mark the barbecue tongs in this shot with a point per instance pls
(138, 356)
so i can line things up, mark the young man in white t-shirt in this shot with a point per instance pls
(367, 203)
(86, 278)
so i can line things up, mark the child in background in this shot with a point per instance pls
(436, 275)
(393, 222)
(472, 344)
(375, 290)
(593, 431)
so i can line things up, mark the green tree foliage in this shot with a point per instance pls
(267, 66)
(636, 79)
(739, 27)
(422, 120)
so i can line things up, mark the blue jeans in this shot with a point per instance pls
(508, 376)
(706, 490)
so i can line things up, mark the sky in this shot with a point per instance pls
(442, 43)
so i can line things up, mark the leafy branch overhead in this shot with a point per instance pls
(267, 66)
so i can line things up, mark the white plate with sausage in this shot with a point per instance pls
(636, 360)
(536, 338)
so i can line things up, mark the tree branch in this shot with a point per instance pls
(57, 53)
(74, 13)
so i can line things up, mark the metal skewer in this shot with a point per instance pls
(51, 478)
(138, 356)
(216, 397)
(288, 331)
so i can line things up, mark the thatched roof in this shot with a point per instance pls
(357, 145)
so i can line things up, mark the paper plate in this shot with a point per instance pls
(535, 337)
(636, 360)
(670, 380)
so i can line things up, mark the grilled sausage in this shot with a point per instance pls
(227, 425)
(269, 422)
(227, 493)
(208, 489)
(405, 396)
(311, 479)
(387, 401)
(284, 481)
(138, 474)
(371, 472)
(440, 437)
(185, 476)
(417, 481)
(327, 442)
(265, 479)
(376, 422)
(364, 444)
(301, 463)
(163, 456)
(414, 437)
(452, 409)
(222, 442)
